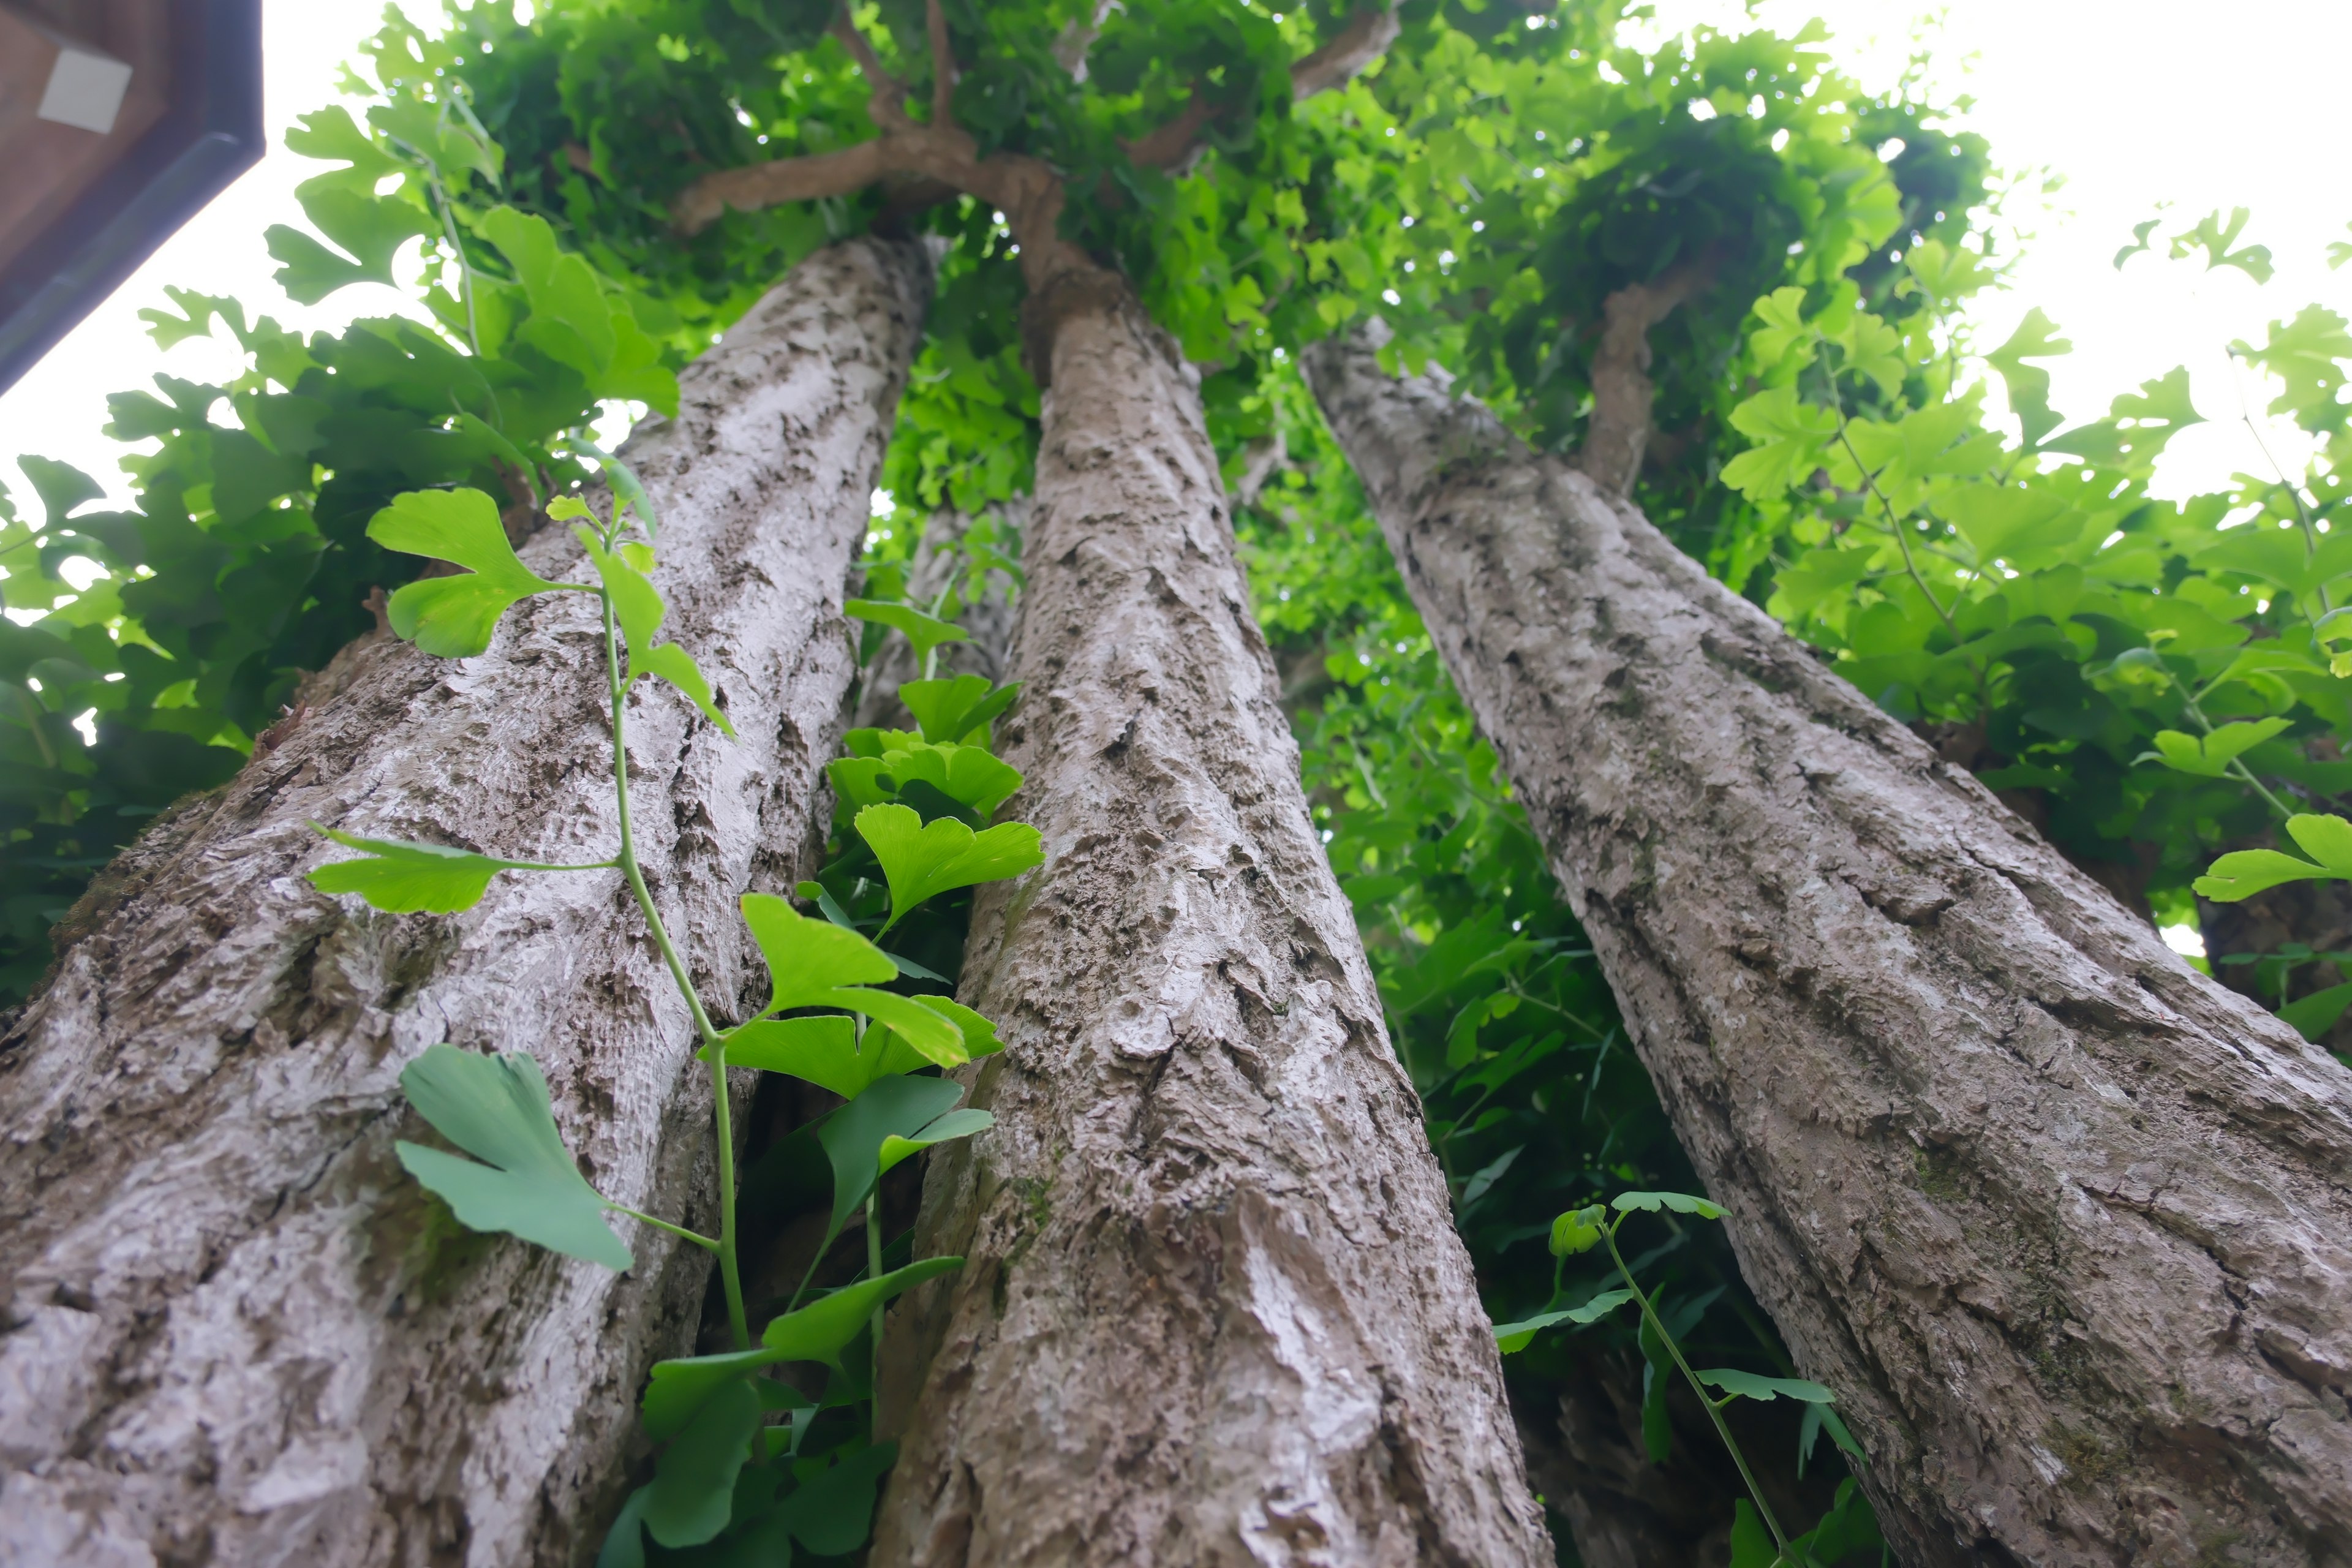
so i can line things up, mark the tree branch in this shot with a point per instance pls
(1622, 393)
(887, 107)
(1172, 142)
(943, 64)
(781, 180)
(1366, 37)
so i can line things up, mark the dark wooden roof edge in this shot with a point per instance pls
(211, 133)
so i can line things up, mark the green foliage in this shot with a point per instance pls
(495, 1109)
(279, 503)
(404, 878)
(2157, 679)
(2240, 874)
(452, 616)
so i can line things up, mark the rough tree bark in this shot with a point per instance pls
(1215, 1310)
(2064, 1222)
(236, 1333)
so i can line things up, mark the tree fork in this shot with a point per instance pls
(237, 1332)
(2062, 1221)
(1215, 1310)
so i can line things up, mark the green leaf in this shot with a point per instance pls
(1782, 313)
(369, 227)
(572, 321)
(1873, 348)
(1651, 1203)
(2029, 384)
(816, 964)
(954, 1124)
(824, 1051)
(1747, 1383)
(694, 1479)
(2210, 756)
(950, 710)
(638, 609)
(967, 775)
(496, 1110)
(1511, 1337)
(2215, 237)
(921, 861)
(1752, 1544)
(403, 879)
(2313, 1015)
(831, 1513)
(2246, 872)
(1578, 1230)
(818, 1331)
(1793, 438)
(853, 1136)
(628, 490)
(454, 616)
(924, 632)
(624, 1543)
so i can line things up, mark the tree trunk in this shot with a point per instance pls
(2062, 1221)
(1215, 1310)
(237, 1333)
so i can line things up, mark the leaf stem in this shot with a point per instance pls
(1714, 1411)
(730, 1271)
(874, 1271)
(696, 1237)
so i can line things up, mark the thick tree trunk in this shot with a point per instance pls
(1215, 1311)
(2062, 1222)
(237, 1333)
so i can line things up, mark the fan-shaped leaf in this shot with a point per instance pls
(496, 1110)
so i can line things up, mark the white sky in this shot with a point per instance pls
(2135, 103)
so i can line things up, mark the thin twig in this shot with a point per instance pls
(943, 64)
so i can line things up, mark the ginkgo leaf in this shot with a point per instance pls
(2246, 872)
(924, 631)
(453, 617)
(1784, 327)
(853, 1136)
(816, 964)
(1511, 1337)
(637, 609)
(496, 1110)
(1792, 437)
(954, 1124)
(1749, 1386)
(1578, 1230)
(815, 1332)
(1651, 1203)
(823, 1052)
(950, 710)
(921, 861)
(966, 774)
(406, 879)
(694, 1479)
(2210, 756)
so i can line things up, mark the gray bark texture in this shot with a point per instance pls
(1215, 1311)
(2065, 1223)
(236, 1333)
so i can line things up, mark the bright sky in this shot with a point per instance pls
(2137, 105)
